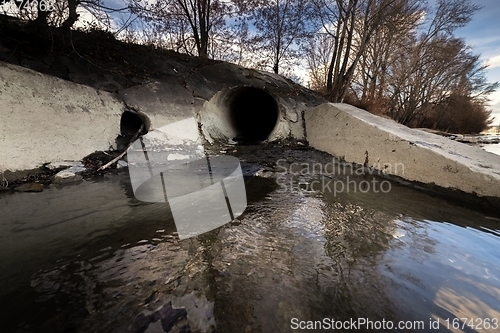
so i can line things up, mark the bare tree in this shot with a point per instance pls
(456, 114)
(65, 13)
(318, 52)
(281, 25)
(370, 81)
(351, 24)
(192, 20)
(433, 65)
(400, 58)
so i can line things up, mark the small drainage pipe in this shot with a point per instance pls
(131, 121)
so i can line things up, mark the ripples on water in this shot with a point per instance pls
(91, 258)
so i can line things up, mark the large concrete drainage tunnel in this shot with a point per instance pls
(253, 113)
(239, 114)
(242, 114)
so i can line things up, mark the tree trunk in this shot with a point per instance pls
(277, 56)
(41, 19)
(203, 49)
(204, 21)
(73, 16)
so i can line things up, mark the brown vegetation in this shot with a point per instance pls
(400, 59)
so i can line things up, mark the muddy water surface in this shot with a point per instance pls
(90, 257)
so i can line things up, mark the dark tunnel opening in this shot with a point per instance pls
(253, 114)
(130, 124)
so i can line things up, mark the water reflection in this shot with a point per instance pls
(454, 271)
(441, 261)
(96, 260)
(296, 267)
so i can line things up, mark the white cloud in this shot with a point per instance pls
(483, 40)
(496, 120)
(495, 107)
(493, 62)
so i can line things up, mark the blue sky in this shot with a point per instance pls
(483, 35)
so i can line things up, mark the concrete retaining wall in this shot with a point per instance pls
(360, 137)
(44, 119)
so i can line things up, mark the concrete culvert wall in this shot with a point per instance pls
(243, 114)
(131, 122)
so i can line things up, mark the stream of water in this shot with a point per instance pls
(89, 257)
